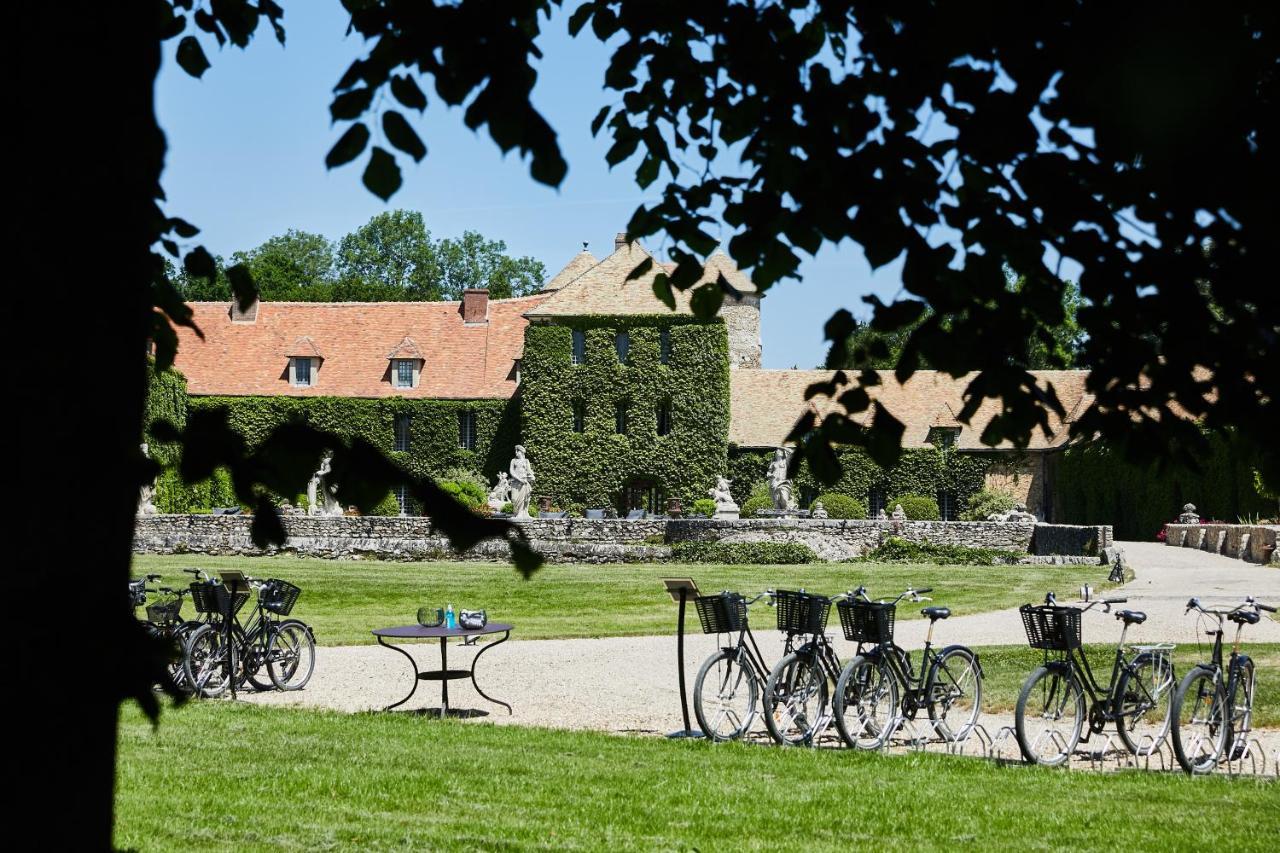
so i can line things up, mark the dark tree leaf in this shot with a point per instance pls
(406, 91)
(382, 175)
(350, 105)
(182, 228)
(243, 286)
(348, 147)
(267, 529)
(200, 264)
(706, 301)
(662, 290)
(598, 121)
(402, 136)
(191, 57)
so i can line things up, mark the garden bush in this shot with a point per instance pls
(917, 507)
(465, 492)
(743, 553)
(704, 506)
(753, 505)
(841, 506)
(986, 502)
(895, 549)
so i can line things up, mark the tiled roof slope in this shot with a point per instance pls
(580, 263)
(765, 404)
(354, 338)
(604, 288)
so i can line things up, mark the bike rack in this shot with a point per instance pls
(979, 735)
(1098, 754)
(1253, 751)
(994, 750)
(1160, 751)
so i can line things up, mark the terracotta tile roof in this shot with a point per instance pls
(580, 263)
(460, 361)
(407, 348)
(765, 404)
(604, 288)
(303, 347)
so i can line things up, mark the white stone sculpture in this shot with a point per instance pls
(881, 515)
(500, 493)
(818, 510)
(1188, 516)
(520, 480)
(147, 492)
(321, 495)
(726, 507)
(1018, 513)
(899, 514)
(780, 486)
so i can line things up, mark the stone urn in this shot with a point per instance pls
(544, 503)
(674, 508)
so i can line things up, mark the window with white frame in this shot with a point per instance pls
(402, 372)
(402, 498)
(301, 369)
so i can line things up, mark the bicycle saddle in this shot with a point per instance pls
(1132, 617)
(936, 613)
(1244, 617)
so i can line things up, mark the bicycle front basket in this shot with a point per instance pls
(164, 612)
(721, 614)
(212, 597)
(278, 596)
(1051, 628)
(867, 621)
(800, 612)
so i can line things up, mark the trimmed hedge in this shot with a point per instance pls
(986, 502)
(743, 553)
(592, 467)
(753, 505)
(704, 506)
(841, 506)
(895, 549)
(917, 507)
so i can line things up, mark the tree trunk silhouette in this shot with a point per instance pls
(90, 162)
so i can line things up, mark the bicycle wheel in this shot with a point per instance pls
(1241, 705)
(291, 655)
(206, 662)
(866, 703)
(725, 694)
(253, 661)
(1049, 716)
(795, 697)
(1145, 703)
(1200, 724)
(954, 693)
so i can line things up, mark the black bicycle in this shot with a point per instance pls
(1213, 708)
(285, 648)
(727, 691)
(880, 688)
(796, 694)
(1051, 713)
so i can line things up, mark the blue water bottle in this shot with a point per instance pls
(450, 621)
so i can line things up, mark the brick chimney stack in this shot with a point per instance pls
(475, 305)
(621, 240)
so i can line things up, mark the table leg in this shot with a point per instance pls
(413, 664)
(444, 682)
(476, 660)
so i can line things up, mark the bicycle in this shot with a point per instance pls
(796, 694)
(1138, 697)
(286, 648)
(164, 620)
(883, 688)
(735, 673)
(1211, 718)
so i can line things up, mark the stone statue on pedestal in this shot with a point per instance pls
(500, 493)
(726, 507)
(899, 514)
(147, 492)
(1188, 516)
(818, 510)
(321, 495)
(520, 478)
(780, 485)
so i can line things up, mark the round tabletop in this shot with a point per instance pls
(421, 632)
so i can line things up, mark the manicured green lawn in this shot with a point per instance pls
(344, 599)
(1005, 668)
(223, 776)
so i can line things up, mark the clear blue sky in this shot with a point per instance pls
(246, 161)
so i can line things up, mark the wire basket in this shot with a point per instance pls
(164, 612)
(800, 612)
(867, 621)
(1051, 628)
(722, 614)
(278, 596)
(212, 598)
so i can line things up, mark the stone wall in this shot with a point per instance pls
(742, 322)
(1021, 476)
(593, 541)
(1255, 543)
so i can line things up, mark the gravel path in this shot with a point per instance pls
(625, 684)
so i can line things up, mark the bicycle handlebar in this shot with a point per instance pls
(1194, 604)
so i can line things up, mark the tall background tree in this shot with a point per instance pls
(1137, 139)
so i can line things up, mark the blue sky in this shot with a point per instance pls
(246, 161)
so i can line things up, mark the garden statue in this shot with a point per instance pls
(1188, 516)
(500, 493)
(726, 507)
(521, 483)
(147, 492)
(818, 510)
(881, 515)
(1020, 514)
(899, 514)
(780, 486)
(321, 495)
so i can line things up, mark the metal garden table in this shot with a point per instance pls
(444, 675)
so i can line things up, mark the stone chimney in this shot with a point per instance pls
(248, 315)
(475, 306)
(620, 241)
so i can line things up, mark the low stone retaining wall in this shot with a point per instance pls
(1255, 543)
(597, 540)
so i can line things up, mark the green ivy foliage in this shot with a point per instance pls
(166, 401)
(919, 471)
(895, 549)
(592, 468)
(1096, 485)
(744, 553)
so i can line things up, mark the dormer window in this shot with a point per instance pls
(944, 438)
(300, 371)
(402, 372)
(405, 364)
(304, 362)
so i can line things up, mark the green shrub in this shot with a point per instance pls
(465, 492)
(917, 507)
(387, 506)
(753, 505)
(704, 506)
(986, 502)
(841, 506)
(508, 507)
(895, 549)
(743, 553)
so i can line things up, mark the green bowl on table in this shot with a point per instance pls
(429, 618)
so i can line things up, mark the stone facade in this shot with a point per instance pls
(1255, 543)
(591, 541)
(1023, 477)
(742, 321)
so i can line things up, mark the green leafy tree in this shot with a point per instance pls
(475, 261)
(295, 266)
(391, 255)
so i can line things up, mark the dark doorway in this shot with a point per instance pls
(641, 494)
